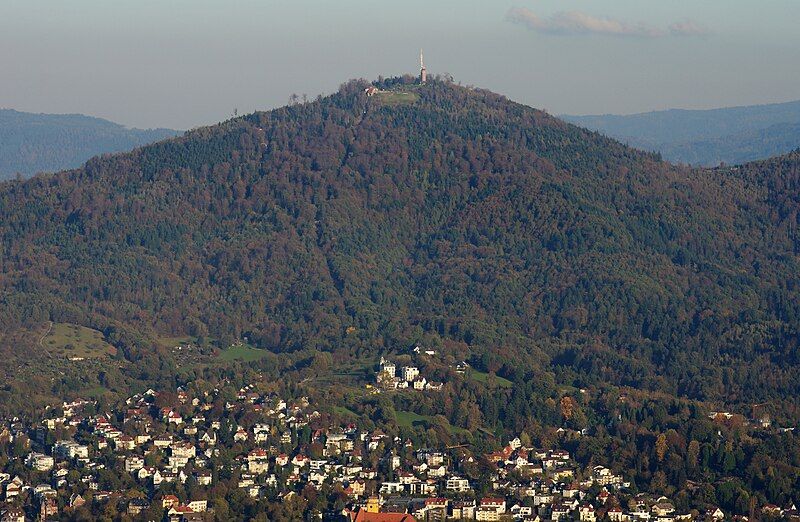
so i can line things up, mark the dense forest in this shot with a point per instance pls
(423, 214)
(33, 143)
(614, 294)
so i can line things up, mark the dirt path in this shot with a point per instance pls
(49, 329)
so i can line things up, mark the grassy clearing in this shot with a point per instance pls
(409, 419)
(242, 352)
(359, 370)
(484, 378)
(94, 392)
(394, 98)
(72, 340)
(344, 411)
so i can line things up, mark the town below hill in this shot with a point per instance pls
(203, 452)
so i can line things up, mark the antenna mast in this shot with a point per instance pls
(423, 73)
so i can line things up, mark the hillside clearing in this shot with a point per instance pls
(486, 378)
(76, 342)
(393, 98)
(242, 352)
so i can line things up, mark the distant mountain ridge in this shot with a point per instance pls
(32, 143)
(731, 135)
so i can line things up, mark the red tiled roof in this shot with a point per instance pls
(364, 516)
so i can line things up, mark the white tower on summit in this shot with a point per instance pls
(423, 73)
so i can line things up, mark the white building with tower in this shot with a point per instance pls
(388, 368)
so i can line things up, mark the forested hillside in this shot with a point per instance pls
(436, 214)
(33, 143)
(729, 135)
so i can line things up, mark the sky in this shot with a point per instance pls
(186, 63)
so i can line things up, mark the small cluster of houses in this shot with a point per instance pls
(390, 377)
(762, 421)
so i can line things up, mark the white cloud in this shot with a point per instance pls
(577, 22)
(689, 28)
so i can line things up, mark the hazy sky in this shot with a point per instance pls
(184, 63)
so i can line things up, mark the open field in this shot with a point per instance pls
(347, 412)
(409, 419)
(242, 352)
(484, 377)
(75, 341)
(397, 98)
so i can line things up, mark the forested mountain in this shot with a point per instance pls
(33, 143)
(706, 137)
(435, 214)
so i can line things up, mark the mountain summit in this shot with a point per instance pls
(393, 213)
